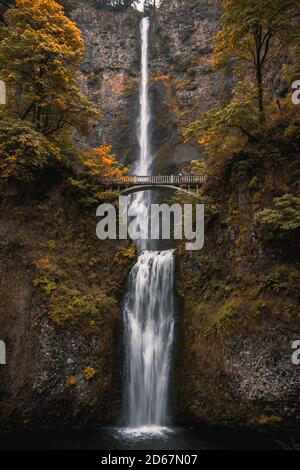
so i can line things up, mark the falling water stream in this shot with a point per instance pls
(149, 303)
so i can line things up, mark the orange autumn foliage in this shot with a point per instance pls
(102, 163)
(40, 52)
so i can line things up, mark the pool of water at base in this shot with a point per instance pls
(153, 438)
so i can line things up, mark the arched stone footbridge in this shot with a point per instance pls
(133, 184)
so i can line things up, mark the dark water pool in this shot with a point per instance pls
(154, 439)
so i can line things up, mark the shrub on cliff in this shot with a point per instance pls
(285, 216)
(24, 152)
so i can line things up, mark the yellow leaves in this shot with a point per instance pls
(46, 15)
(72, 380)
(162, 78)
(40, 53)
(203, 140)
(101, 162)
(89, 373)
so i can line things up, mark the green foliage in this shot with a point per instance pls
(5, 4)
(52, 244)
(282, 279)
(285, 216)
(206, 276)
(254, 183)
(23, 151)
(70, 304)
(254, 34)
(210, 207)
(219, 129)
(199, 167)
(224, 320)
(46, 282)
(125, 256)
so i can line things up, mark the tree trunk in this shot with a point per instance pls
(260, 94)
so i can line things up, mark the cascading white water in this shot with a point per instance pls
(150, 302)
(149, 316)
(144, 164)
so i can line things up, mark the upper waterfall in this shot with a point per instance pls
(143, 166)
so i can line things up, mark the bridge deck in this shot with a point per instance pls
(172, 180)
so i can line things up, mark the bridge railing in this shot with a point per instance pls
(153, 180)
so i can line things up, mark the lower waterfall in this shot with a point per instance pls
(149, 332)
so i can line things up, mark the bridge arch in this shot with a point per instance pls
(151, 187)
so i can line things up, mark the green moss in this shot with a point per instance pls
(46, 282)
(254, 183)
(52, 244)
(182, 64)
(71, 304)
(225, 319)
(283, 278)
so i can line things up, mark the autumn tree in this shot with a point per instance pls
(24, 152)
(223, 131)
(97, 165)
(252, 35)
(40, 53)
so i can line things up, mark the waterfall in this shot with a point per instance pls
(144, 164)
(149, 317)
(150, 303)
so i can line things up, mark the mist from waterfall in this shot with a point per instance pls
(150, 301)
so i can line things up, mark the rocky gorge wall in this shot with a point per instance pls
(60, 288)
(60, 314)
(239, 301)
(182, 81)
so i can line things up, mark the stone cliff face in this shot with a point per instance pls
(60, 314)
(182, 78)
(110, 75)
(110, 67)
(234, 356)
(240, 302)
(182, 82)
